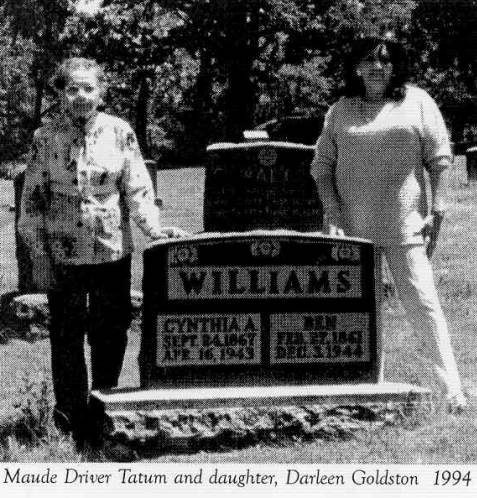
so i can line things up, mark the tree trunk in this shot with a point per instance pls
(202, 111)
(39, 92)
(241, 52)
(142, 109)
(39, 76)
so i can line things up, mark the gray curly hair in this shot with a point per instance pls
(65, 68)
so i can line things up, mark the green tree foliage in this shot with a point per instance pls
(188, 72)
(41, 22)
(16, 97)
(239, 46)
(443, 45)
(130, 38)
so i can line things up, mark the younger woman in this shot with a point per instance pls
(369, 168)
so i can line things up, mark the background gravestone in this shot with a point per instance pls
(22, 251)
(260, 185)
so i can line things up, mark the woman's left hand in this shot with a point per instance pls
(175, 232)
(430, 231)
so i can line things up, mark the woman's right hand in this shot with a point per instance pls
(170, 233)
(332, 218)
(430, 231)
(335, 230)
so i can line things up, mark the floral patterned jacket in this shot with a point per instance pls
(82, 187)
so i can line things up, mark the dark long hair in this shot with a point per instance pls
(385, 51)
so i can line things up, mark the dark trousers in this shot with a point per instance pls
(92, 299)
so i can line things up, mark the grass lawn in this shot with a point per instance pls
(438, 438)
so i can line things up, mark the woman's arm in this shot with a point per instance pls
(323, 171)
(437, 159)
(33, 206)
(139, 192)
(438, 180)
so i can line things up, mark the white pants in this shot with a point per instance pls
(412, 274)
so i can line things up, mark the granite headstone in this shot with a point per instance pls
(260, 308)
(261, 184)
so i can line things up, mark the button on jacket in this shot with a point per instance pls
(82, 187)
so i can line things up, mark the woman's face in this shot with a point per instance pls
(82, 93)
(376, 75)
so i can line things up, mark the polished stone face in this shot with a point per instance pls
(252, 308)
(260, 185)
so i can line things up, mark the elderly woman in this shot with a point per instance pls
(369, 167)
(84, 182)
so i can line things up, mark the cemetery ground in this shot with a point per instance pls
(27, 432)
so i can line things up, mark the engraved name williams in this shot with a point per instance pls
(270, 282)
(359, 477)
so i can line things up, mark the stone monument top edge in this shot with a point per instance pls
(258, 233)
(258, 144)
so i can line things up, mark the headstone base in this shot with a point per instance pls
(168, 420)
